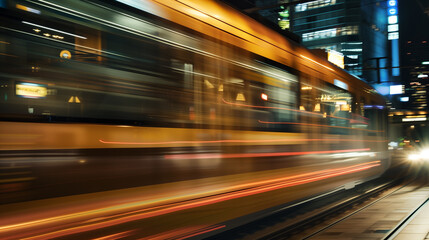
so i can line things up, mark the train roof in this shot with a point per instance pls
(221, 21)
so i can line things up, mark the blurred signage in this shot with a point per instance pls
(31, 90)
(392, 20)
(336, 58)
(383, 89)
(284, 22)
(396, 89)
(392, 11)
(393, 35)
(393, 28)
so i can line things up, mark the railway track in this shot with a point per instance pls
(304, 220)
(290, 221)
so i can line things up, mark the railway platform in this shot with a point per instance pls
(402, 213)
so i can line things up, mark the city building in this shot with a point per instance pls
(409, 116)
(384, 42)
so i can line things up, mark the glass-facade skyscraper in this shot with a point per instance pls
(355, 28)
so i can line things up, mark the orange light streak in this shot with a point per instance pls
(316, 62)
(249, 155)
(174, 207)
(238, 141)
(181, 232)
(201, 232)
(115, 236)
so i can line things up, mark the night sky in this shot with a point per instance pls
(414, 23)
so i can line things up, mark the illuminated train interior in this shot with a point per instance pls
(181, 111)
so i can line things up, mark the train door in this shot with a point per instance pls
(311, 111)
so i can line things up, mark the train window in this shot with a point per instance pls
(376, 116)
(331, 106)
(280, 85)
(235, 98)
(337, 107)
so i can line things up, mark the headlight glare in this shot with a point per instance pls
(414, 157)
(424, 154)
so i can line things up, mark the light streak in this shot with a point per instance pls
(258, 187)
(316, 62)
(226, 194)
(53, 29)
(250, 155)
(183, 233)
(202, 232)
(115, 236)
(318, 125)
(239, 141)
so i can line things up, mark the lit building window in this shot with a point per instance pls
(314, 4)
(353, 56)
(352, 50)
(329, 33)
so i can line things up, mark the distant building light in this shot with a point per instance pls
(313, 4)
(392, 19)
(351, 43)
(373, 106)
(421, 75)
(352, 50)
(425, 63)
(414, 119)
(353, 56)
(405, 99)
(393, 28)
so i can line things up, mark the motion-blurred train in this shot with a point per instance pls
(101, 95)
